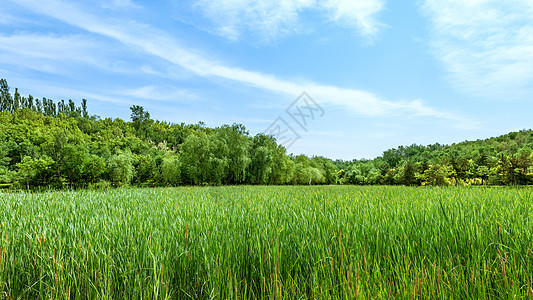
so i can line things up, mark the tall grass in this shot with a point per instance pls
(268, 242)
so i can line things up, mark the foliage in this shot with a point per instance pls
(57, 144)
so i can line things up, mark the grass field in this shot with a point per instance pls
(268, 242)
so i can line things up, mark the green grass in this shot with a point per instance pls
(268, 242)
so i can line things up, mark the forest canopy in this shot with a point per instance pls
(44, 144)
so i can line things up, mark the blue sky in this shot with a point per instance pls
(384, 73)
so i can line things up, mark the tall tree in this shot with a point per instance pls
(141, 120)
(262, 158)
(84, 108)
(6, 102)
(195, 154)
(236, 150)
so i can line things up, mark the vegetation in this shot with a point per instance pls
(324, 242)
(59, 145)
(504, 160)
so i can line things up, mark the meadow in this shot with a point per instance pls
(321, 242)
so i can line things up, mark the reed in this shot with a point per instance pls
(343, 242)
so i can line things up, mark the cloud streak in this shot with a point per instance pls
(160, 44)
(46, 52)
(486, 46)
(65, 54)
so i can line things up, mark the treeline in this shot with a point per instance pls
(504, 160)
(45, 106)
(44, 144)
(59, 145)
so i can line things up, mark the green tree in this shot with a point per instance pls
(6, 101)
(439, 174)
(170, 170)
(195, 157)
(406, 173)
(218, 153)
(262, 153)
(120, 167)
(94, 167)
(16, 100)
(29, 167)
(84, 112)
(236, 150)
(141, 120)
(75, 160)
(327, 168)
(283, 171)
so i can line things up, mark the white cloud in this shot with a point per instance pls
(485, 45)
(270, 19)
(357, 14)
(267, 19)
(161, 44)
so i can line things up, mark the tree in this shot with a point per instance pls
(406, 173)
(283, 171)
(38, 106)
(71, 107)
(218, 153)
(31, 106)
(170, 170)
(141, 120)
(84, 112)
(6, 176)
(120, 168)
(483, 172)
(55, 147)
(16, 100)
(236, 151)
(195, 154)
(30, 167)
(94, 167)
(6, 102)
(75, 160)
(515, 168)
(439, 174)
(327, 168)
(262, 153)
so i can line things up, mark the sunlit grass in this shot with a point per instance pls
(268, 242)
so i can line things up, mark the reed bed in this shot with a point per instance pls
(309, 242)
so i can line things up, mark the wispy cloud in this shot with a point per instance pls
(266, 19)
(159, 43)
(485, 45)
(68, 53)
(47, 52)
(270, 19)
(357, 14)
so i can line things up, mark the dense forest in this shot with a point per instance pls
(60, 145)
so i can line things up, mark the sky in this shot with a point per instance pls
(344, 79)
